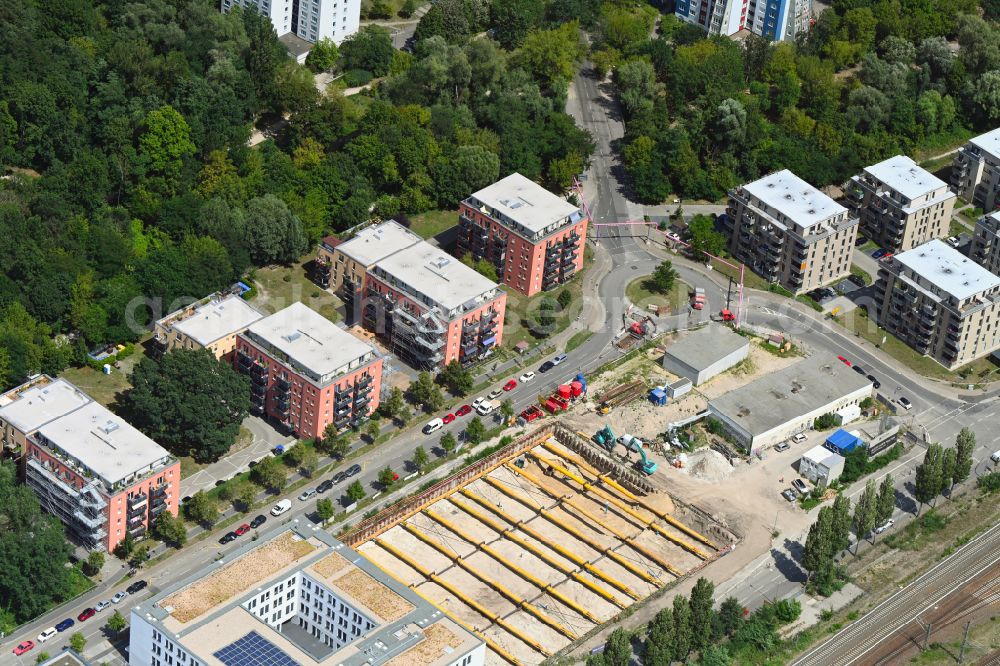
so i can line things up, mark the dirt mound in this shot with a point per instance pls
(708, 465)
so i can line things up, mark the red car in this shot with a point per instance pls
(86, 614)
(24, 647)
(463, 410)
(242, 529)
(844, 361)
(510, 386)
(447, 418)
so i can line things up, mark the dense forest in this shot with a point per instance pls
(124, 128)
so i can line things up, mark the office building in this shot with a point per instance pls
(777, 20)
(940, 302)
(26, 408)
(534, 238)
(781, 404)
(790, 233)
(821, 465)
(306, 372)
(985, 249)
(975, 172)
(100, 476)
(901, 205)
(296, 597)
(212, 323)
(309, 20)
(430, 307)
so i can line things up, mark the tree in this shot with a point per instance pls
(618, 648)
(818, 547)
(702, 605)
(564, 298)
(948, 462)
(355, 491)
(715, 655)
(324, 509)
(116, 623)
(393, 404)
(270, 474)
(664, 277)
(507, 409)
(512, 19)
(95, 562)
(369, 49)
(636, 83)
(448, 442)
(274, 233)
(334, 443)
(475, 431)
(927, 483)
(682, 628)
(125, 546)
(190, 402)
(426, 393)
(965, 445)
(457, 378)
(170, 529)
(372, 431)
(865, 512)
(885, 505)
(730, 615)
(264, 55)
(420, 457)
(550, 55)
(164, 145)
(202, 508)
(704, 238)
(840, 532)
(77, 642)
(323, 56)
(247, 495)
(660, 642)
(387, 477)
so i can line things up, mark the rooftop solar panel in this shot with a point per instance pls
(254, 650)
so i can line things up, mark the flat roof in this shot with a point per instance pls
(903, 175)
(66, 658)
(526, 202)
(310, 339)
(440, 277)
(295, 45)
(32, 405)
(822, 456)
(703, 347)
(372, 244)
(989, 142)
(794, 198)
(105, 443)
(217, 319)
(775, 399)
(205, 612)
(948, 269)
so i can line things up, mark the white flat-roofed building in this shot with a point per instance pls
(985, 248)
(941, 303)
(212, 323)
(975, 172)
(821, 465)
(25, 409)
(296, 597)
(309, 20)
(789, 232)
(900, 204)
(350, 260)
(278, 11)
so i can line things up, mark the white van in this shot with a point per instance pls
(281, 507)
(47, 634)
(487, 408)
(995, 457)
(432, 425)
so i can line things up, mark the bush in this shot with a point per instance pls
(357, 77)
(989, 483)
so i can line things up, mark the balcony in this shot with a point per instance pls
(341, 422)
(363, 391)
(361, 401)
(92, 522)
(137, 530)
(157, 509)
(341, 398)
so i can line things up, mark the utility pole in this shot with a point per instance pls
(729, 293)
(927, 636)
(965, 641)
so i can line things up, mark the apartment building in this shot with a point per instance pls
(940, 302)
(790, 233)
(296, 597)
(310, 20)
(26, 408)
(901, 205)
(306, 372)
(975, 172)
(534, 238)
(212, 323)
(985, 249)
(777, 20)
(100, 476)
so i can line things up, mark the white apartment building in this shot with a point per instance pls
(296, 597)
(279, 11)
(777, 20)
(901, 205)
(941, 303)
(790, 233)
(211, 323)
(985, 248)
(975, 172)
(311, 20)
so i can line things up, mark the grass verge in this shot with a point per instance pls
(642, 293)
(433, 222)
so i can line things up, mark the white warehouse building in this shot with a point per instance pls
(703, 354)
(821, 465)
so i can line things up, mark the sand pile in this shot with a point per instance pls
(708, 465)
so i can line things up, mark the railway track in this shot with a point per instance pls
(854, 641)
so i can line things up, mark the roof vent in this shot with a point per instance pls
(109, 427)
(293, 336)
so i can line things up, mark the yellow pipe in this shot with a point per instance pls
(513, 598)
(492, 645)
(509, 534)
(540, 584)
(686, 545)
(471, 603)
(605, 478)
(545, 513)
(568, 554)
(595, 519)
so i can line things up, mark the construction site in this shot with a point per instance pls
(538, 544)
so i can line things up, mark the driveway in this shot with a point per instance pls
(265, 438)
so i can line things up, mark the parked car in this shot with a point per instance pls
(876, 383)
(878, 254)
(463, 410)
(23, 647)
(495, 393)
(858, 369)
(339, 477)
(798, 437)
(545, 367)
(860, 240)
(800, 486)
(886, 257)
(844, 361)
(325, 486)
(46, 634)
(788, 494)
(86, 614)
(353, 470)
(101, 605)
(65, 624)
(857, 279)
(526, 377)
(952, 240)
(242, 529)
(884, 526)
(448, 418)
(281, 507)
(556, 360)
(479, 401)
(119, 596)
(306, 494)
(995, 457)
(228, 537)
(510, 385)
(783, 446)
(432, 425)
(904, 402)
(257, 522)
(140, 585)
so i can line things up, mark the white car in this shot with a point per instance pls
(953, 241)
(905, 403)
(495, 393)
(46, 634)
(526, 377)
(556, 360)
(281, 507)
(101, 605)
(432, 425)
(477, 402)
(119, 597)
(798, 438)
(884, 526)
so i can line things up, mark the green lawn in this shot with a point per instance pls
(521, 322)
(641, 294)
(862, 273)
(750, 279)
(956, 227)
(280, 286)
(101, 387)
(430, 224)
(577, 340)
